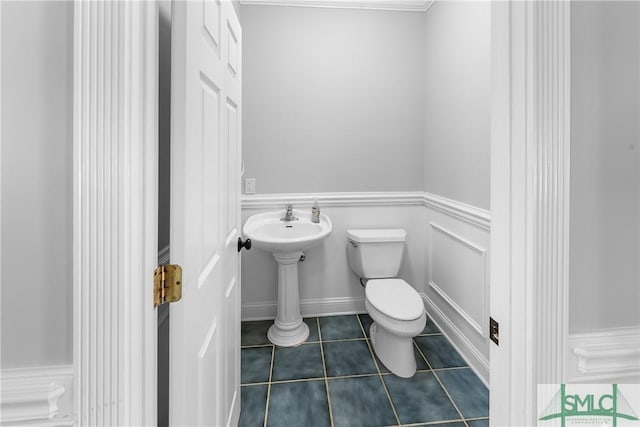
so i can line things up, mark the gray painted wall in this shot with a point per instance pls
(458, 83)
(37, 144)
(333, 99)
(238, 7)
(605, 165)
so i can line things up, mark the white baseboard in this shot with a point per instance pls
(604, 356)
(40, 396)
(308, 308)
(469, 353)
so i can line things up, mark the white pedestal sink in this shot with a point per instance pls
(286, 240)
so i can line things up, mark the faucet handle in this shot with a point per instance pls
(288, 216)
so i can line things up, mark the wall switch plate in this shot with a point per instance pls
(249, 186)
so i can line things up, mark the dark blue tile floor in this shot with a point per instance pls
(335, 379)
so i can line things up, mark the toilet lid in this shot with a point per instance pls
(395, 298)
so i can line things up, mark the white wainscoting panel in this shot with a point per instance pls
(604, 356)
(457, 271)
(39, 396)
(327, 284)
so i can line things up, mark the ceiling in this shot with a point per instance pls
(399, 5)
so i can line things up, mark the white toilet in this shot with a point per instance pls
(395, 307)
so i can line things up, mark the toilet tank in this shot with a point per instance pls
(375, 253)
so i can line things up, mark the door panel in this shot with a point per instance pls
(205, 177)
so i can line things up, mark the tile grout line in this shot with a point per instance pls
(266, 408)
(341, 377)
(434, 423)
(417, 347)
(379, 373)
(440, 382)
(305, 343)
(384, 374)
(477, 419)
(375, 362)
(324, 370)
(451, 399)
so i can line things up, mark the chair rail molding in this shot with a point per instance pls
(473, 215)
(115, 212)
(604, 355)
(35, 396)
(345, 199)
(478, 217)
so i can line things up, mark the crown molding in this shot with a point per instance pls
(393, 5)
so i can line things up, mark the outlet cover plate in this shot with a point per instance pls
(249, 186)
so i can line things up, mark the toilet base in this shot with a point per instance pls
(396, 352)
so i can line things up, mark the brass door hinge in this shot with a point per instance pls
(167, 284)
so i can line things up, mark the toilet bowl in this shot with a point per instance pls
(398, 315)
(395, 307)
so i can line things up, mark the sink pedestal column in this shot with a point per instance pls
(288, 330)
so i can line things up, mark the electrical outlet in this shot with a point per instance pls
(249, 186)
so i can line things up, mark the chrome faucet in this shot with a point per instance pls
(288, 216)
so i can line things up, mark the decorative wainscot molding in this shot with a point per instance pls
(37, 396)
(457, 276)
(464, 290)
(604, 356)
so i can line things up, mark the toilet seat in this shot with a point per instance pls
(394, 298)
(403, 328)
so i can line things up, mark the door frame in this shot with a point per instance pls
(115, 207)
(115, 184)
(530, 179)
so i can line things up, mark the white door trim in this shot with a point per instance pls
(529, 202)
(115, 212)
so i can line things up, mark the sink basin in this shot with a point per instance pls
(286, 240)
(267, 232)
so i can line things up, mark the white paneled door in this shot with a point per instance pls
(205, 213)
